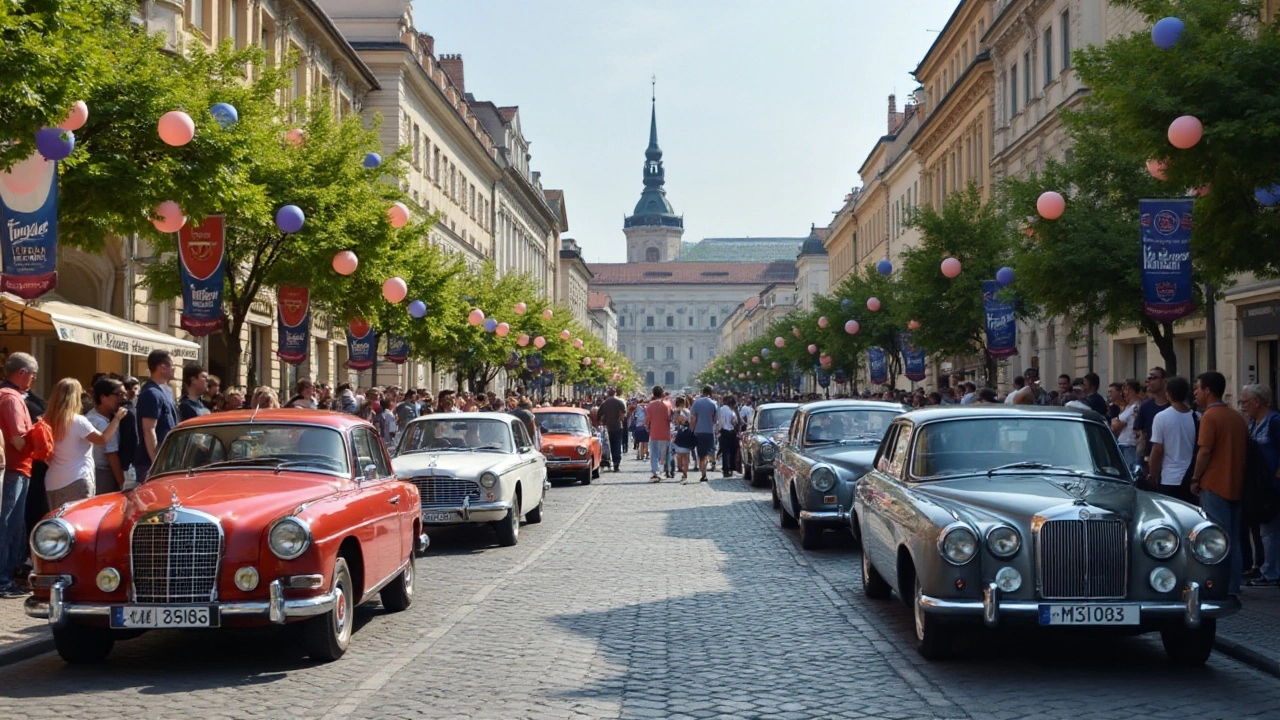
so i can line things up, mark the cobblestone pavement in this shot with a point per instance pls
(636, 601)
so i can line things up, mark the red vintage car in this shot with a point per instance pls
(569, 443)
(247, 519)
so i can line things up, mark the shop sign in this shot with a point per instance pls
(1260, 318)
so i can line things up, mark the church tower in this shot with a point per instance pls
(654, 230)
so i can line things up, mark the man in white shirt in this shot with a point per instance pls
(746, 413)
(1173, 440)
(727, 424)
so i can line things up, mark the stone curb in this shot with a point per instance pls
(1247, 655)
(26, 649)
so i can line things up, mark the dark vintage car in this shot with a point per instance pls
(759, 449)
(247, 518)
(828, 446)
(995, 516)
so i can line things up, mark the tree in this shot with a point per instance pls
(950, 311)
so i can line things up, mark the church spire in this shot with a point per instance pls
(653, 152)
(654, 208)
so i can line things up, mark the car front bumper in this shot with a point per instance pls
(561, 466)
(277, 608)
(993, 609)
(467, 512)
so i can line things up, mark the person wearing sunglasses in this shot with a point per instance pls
(108, 474)
(1157, 400)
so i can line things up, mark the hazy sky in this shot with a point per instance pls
(766, 109)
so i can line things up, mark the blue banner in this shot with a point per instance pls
(877, 368)
(824, 378)
(912, 358)
(397, 350)
(1002, 329)
(29, 248)
(362, 345)
(201, 264)
(1166, 259)
(293, 324)
(534, 362)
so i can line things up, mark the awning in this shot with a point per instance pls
(87, 326)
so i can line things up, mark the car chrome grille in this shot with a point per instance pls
(1083, 559)
(176, 562)
(446, 492)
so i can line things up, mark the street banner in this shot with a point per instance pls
(840, 377)
(1002, 329)
(1166, 259)
(877, 368)
(201, 263)
(397, 349)
(534, 362)
(29, 248)
(362, 345)
(293, 322)
(912, 358)
(824, 378)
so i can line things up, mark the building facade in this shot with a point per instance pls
(813, 269)
(604, 319)
(575, 280)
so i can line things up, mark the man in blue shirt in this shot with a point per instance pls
(156, 410)
(703, 422)
(1264, 429)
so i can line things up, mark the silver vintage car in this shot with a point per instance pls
(828, 446)
(997, 515)
(759, 448)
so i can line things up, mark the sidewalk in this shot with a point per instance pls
(21, 637)
(1252, 635)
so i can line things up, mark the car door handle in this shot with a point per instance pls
(395, 500)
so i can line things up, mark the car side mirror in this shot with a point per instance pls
(370, 469)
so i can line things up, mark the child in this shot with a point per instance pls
(684, 441)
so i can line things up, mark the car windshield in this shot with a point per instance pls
(775, 417)
(1005, 445)
(553, 423)
(847, 425)
(309, 448)
(453, 434)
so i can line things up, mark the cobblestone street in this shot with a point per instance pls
(636, 601)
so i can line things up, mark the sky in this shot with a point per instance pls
(766, 109)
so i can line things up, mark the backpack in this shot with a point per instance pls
(1259, 500)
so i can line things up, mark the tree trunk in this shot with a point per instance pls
(234, 346)
(990, 366)
(1162, 335)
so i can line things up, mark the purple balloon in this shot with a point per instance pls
(417, 309)
(290, 218)
(1267, 197)
(1004, 276)
(490, 324)
(54, 143)
(372, 160)
(884, 267)
(1166, 31)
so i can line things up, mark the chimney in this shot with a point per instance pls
(893, 113)
(427, 43)
(452, 66)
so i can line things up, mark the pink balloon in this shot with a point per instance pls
(520, 308)
(1156, 168)
(176, 128)
(741, 375)
(873, 304)
(813, 349)
(169, 217)
(394, 289)
(78, 116)
(345, 262)
(914, 325)
(577, 342)
(795, 331)
(600, 361)
(26, 175)
(823, 322)
(774, 365)
(398, 215)
(539, 342)
(546, 314)
(1051, 205)
(851, 327)
(586, 361)
(295, 137)
(756, 359)
(1185, 132)
(523, 340)
(779, 342)
(564, 335)
(951, 267)
(502, 330)
(476, 316)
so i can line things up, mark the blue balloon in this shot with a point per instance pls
(844, 304)
(290, 218)
(372, 160)
(1267, 197)
(225, 114)
(417, 309)
(764, 352)
(1166, 31)
(54, 143)
(1004, 276)
(884, 267)
(490, 324)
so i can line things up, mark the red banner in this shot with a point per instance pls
(293, 322)
(201, 255)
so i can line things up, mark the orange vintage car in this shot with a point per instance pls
(569, 444)
(248, 518)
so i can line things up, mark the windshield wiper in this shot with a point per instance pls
(250, 462)
(317, 464)
(489, 447)
(1033, 465)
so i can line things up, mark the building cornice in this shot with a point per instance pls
(331, 31)
(977, 80)
(531, 198)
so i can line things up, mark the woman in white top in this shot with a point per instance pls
(1122, 425)
(71, 469)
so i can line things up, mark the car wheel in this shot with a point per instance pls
(777, 504)
(397, 596)
(873, 586)
(810, 534)
(759, 477)
(508, 528)
(79, 644)
(595, 473)
(785, 518)
(328, 636)
(584, 477)
(1185, 646)
(534, 516)
(933, 638)
(746, 469)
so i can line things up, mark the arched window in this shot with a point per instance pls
(651, 255)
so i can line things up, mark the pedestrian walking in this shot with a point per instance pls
(108, 470)
(1264, 429)
(612, 417)
(1173, 443)
(1218, 477)
(727, 423)
(684, 440)
(1126, 401)
(640, 430)
(703, 422)
(658, 423)
(70, 476)
(15, 424)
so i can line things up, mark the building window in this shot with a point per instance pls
(435, 167)
(690, 321)
(1048, 55)
(690, 352)
(1026, 76)
(233, 24)
(649, 352)
(648, 378)
(622, 321)
(669, 378)
(651, 255)
(648, 321)
(417, 146)
(1066, 39)
(1013, 90)
(713, 321)
(671, 321)
(195, 16)
(671, 353)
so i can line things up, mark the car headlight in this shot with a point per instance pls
(289, 538)
(108, 579)
(1160, 542)
(767, 451)
(488, 479)
(1163, 580)
(1008, 579)
(1003, 541)
(822, 479)
(1209, 543)
(52, 539)
(582, 450)
(958, 544)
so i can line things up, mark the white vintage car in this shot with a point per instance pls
(474, 468)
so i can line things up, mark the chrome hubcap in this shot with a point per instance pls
(919, 613)
(340, 612)
(408, 577)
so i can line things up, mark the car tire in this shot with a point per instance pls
(329, 635)
(584, 477)
(508, 528)
(759, 477)
(595, 472)
(777, 504)
(534, 516)
(810, 534)
(397, 596)
(1188, 647)
(785, 518)
(873, 585)
(80, 644)
(934, 640)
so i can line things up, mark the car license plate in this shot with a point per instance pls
(437, 517)
(164, 616)
(1089, 614)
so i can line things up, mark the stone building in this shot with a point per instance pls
(604, 319)
(813, 269)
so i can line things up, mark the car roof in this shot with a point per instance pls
(503, 416)
(951, 412)
(851, 403)
(561, 409)
(325, 418)
(772, 406)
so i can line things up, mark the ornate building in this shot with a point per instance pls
(654, 230)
